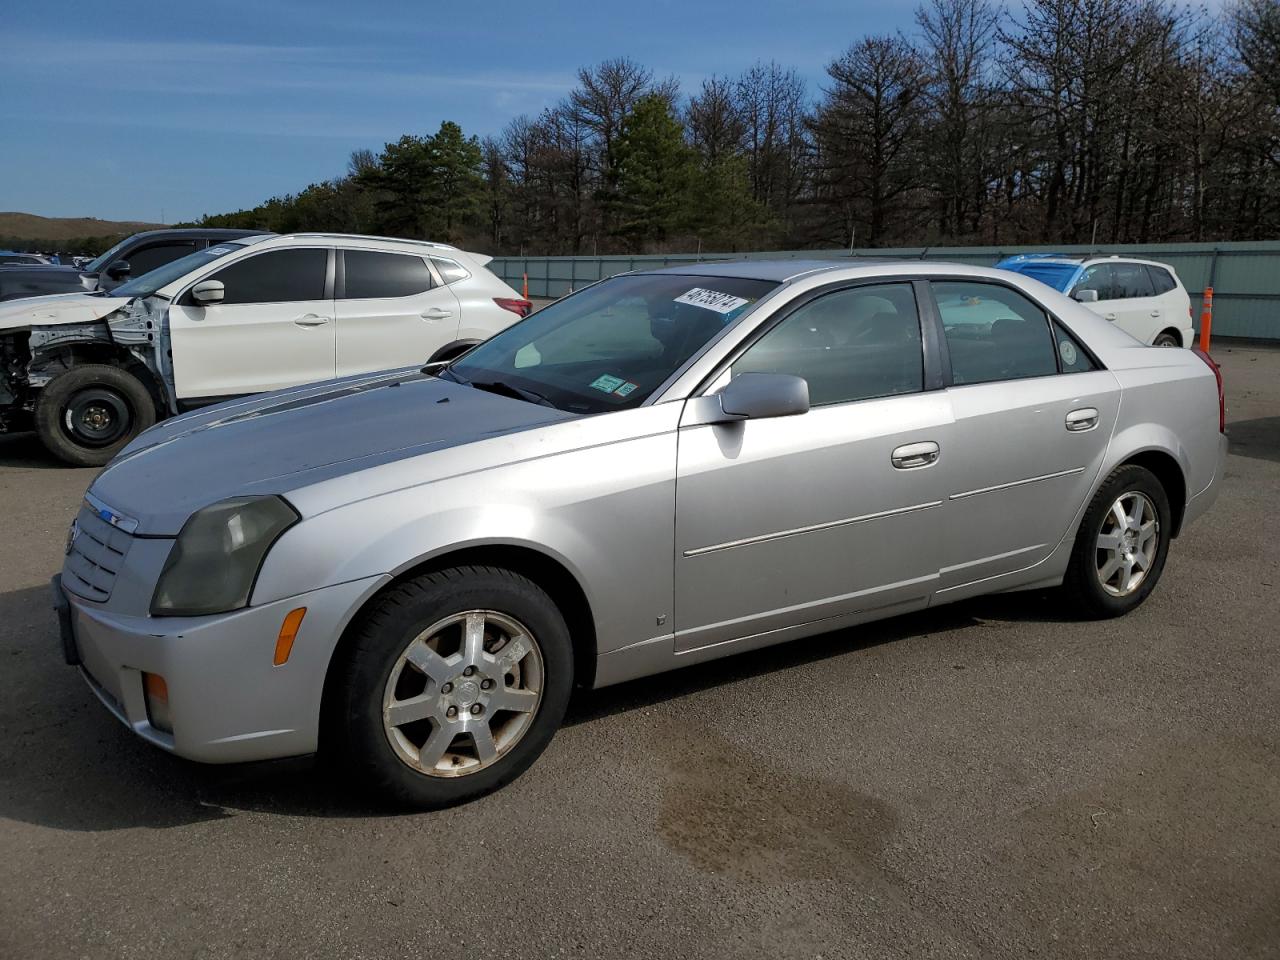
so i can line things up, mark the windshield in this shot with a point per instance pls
(149, 283)
(610, 346)
(95, 265)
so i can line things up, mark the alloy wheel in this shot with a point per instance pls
(463, 693)
(1127, 543)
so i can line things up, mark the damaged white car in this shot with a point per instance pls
(89, 372)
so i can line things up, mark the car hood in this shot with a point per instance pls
(56, 309)
(279, 442)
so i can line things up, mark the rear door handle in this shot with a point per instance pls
(1085, 418)
(1155, 313)
(311, 320)
(436, 313)
(912, 455)
(1110, 316)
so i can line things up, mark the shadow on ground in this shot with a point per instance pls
(24, 450)
(67, 764)
(1259, 438)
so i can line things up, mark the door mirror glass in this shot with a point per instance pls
(1086, 296)
(757, 396)
(208, 291)
(119, 270)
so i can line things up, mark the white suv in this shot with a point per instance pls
(1143, 298)
(249, 316)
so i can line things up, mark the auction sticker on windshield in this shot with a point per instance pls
(607, 383)
(711, 300)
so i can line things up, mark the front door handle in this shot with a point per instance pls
(1085, 418)
(311, 320)
(1110, 316)
(436, 313)
(912, 455)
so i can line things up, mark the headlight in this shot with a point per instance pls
(216, 559)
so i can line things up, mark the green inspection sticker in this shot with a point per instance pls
(626, 388)
(607, 383)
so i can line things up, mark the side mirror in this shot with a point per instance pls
(756, 396)
(1086, 296)
(118, 270)
(208, 291)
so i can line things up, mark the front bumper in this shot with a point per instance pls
(227, 701)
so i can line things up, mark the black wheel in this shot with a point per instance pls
(1167, 339)
(86, 415)
(454, 684)
(1122, 545)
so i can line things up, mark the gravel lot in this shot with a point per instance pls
(982, 780)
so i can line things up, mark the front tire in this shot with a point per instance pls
(1122, 545)
(87, 415)
(455, 682)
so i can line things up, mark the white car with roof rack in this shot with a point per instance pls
(249, 316)
(1144, 298)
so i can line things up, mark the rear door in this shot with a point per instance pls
(274, 329)
(392, 311)
(1126, 298)
(1033, 416)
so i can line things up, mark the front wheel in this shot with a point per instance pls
(1122, 544)
(87, 415)
(455, 683)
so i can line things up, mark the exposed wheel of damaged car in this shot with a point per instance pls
(88, 414)
(453, 685)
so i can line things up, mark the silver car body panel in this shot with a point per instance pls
(689, 539)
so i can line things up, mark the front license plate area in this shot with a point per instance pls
(70, 651)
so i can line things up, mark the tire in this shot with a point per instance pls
(87, 415)
(1166, 339)
(1140, 495)
(376, 679)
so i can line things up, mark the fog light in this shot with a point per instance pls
(157, 692)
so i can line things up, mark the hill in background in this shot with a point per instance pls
(59, 232)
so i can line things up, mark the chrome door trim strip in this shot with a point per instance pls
(1015, 483)
(797, 531)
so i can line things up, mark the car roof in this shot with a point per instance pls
(358, 238)
(786, 270)
(198, 233)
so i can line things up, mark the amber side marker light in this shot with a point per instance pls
(288, 633)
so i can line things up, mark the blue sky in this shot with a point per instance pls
(171, 108)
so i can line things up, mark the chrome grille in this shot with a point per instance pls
(95, 556)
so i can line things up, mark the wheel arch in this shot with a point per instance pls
(545, 570)
(453, 350)
(1168, 471)
(54, 360)
(1173, 332)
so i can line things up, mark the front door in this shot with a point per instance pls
(391, 312)
(273, 329)
(799, 519)
(1033, 416)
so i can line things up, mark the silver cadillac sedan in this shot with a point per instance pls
(412, 570)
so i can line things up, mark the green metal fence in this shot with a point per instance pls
(1245, 276)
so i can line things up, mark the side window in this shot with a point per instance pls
(1071, 356)
(853, 344)
(450, 272)
(279, 276)
(993, 332)
(145, 259)
(1132, 280)
(371, 274)
(1098, 277)
(1161, 279)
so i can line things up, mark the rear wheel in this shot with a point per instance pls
(88, 414)
(1122, 545)
(455, 683)
(1166, 339)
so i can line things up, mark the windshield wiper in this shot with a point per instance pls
(503, 388)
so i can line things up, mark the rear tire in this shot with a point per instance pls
(1166, 339)
(1121, 547)
(427, 721)
(87, 415)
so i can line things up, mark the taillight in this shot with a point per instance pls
(520, 307)
(1217, 375)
